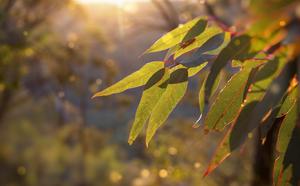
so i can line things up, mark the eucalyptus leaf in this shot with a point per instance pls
(198, 41)
(136, 79)
(153, 90)
(175, 91)
(228, 102)
(236, 49)
(174, 37)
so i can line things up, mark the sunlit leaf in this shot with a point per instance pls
(153, 90)
(175, 91)
(228, 102)
(272, 97)
(236, 49)
(283, 139)
(288, 102)
(261, 82)
(136, 79)
(201, 92)
(202, 100)
(199, 41)
(174, 37)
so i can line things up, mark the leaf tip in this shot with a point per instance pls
(130, 142)
(131, 139)
(148, 139)
(94, 96)
(197, 123)
(207, 172)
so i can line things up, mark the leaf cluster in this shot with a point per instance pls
(262, 92)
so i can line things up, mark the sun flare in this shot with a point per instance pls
(115, 2)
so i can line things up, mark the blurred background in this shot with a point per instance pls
(55, 54)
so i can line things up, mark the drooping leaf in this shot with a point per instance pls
(286, 129)
(228, 102)
(288, 102)
(283, 139)
(257, 90)
(136, 79)
(201, 92)
(199, 41)
(271, 98)
(175, 91)
(285, 177)
(224, 148)
(278, 113)
(153, 90)
(236, 49)
(202, 101)
(174, 37)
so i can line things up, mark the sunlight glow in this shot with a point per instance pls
(115, 2)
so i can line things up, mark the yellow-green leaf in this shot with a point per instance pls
(236, 49)
(228, 102)
(199, 41)
(201, 92)
(136, 79)
(283, 139)
(288, 102)
(175, 91)
(262, 80)
(153, 90)
(173, 37)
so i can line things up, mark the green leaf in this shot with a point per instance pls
(236, 49)
(286, 129)
(199, 41)
(262, 80)
(288, 102)
(201, 92)
(202, 100)
(175, 91)
(283, 139)
(228, 102)
(271, 99)
(285, 177)
(136, 79)
(153, 90)
(256, 92)
(174, 37)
